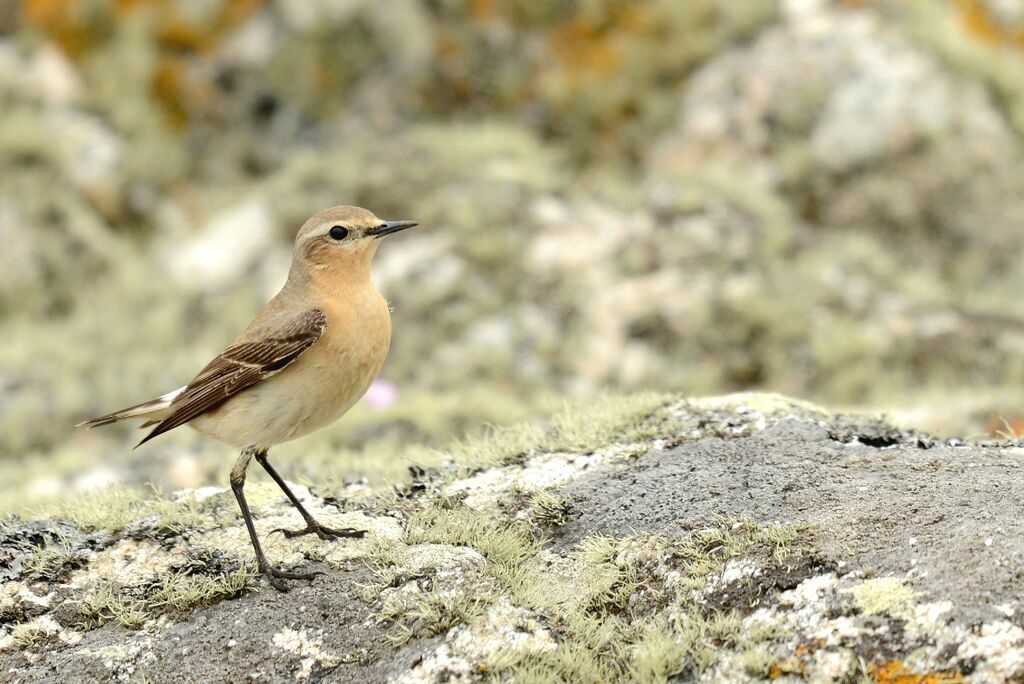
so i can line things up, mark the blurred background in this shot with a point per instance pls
(821, 198)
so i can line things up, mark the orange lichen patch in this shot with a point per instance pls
(796, 664)
(177, 31)
(594, 47)
(484, 10)
(169, 88)
(586, 50)
(788, 666)
(44, 12)
(180, 93)
(640, 19)
(895, 672)
(180, 36)
(64, 22)
(978, 21)
(184, 35)
(450, 55)
(234, 12)
(77, 27)
(447, 43)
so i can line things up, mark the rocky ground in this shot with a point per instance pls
(740, 538)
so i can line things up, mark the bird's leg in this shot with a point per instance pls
(275, 576)
(312, 525)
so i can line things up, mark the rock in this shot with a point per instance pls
(863, 129)
(739, 538)
(232, 242)
(43, 74)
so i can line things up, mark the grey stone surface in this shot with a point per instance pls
(739, 538)
(949, 516)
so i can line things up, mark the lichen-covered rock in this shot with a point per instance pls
(740, 538)
(860, 130)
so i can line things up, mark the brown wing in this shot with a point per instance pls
(241, 366)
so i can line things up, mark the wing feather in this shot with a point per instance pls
(241, 366)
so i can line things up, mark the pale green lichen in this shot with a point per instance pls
(884, 595)
(105, 605)
(549, 509)
(503, 542)
(586, 426)
(434, 612)
(52, 558)
(182, 592)
(108, 509)
(579, 427)
(605, 628)
(113, 508)
(28, 634)
(623, 607)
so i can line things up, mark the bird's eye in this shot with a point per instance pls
(338, 232)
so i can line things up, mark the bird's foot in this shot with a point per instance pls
(322, 531)
(277, 577)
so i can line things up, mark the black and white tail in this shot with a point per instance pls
(154, 410)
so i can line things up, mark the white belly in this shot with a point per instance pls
(314, 391)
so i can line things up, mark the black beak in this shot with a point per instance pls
(389, 227)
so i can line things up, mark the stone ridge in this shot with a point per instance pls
(740, 538)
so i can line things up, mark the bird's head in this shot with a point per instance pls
(343, 240)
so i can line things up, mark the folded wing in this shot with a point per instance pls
(241, 366)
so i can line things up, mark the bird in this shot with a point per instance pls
(303, 362)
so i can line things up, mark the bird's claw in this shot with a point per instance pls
(321, 531)
(277, 577)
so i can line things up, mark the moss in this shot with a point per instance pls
(658, 654)
(567, 663)
(420, 430)
(757, 661)
(173, 592)
(180, 515)
(385, 555)
(498, 446)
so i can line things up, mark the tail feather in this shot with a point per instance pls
(146, 408)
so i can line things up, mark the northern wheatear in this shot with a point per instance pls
(304, 361)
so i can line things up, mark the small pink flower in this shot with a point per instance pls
(381, 395)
